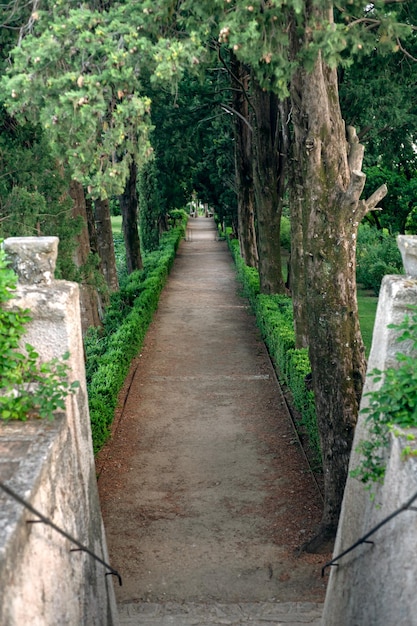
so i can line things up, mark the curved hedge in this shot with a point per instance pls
(274, 318)
(110, 350)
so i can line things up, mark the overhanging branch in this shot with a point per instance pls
(371, 203)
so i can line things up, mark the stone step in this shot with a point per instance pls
(220, 614)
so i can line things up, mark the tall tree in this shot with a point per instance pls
(329, 211)
(240, 76)
(271, 145)
(105, 242)
(149, 207)
(92, 299)
(328, 184)
(129, 209)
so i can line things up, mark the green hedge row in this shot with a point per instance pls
(274, 318)
(110, 349)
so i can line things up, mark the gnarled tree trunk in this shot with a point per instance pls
(328, 183)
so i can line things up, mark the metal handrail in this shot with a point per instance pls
(62, 532)
(406, 506)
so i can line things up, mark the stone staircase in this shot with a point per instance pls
(220, 614)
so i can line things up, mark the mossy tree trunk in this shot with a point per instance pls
(326, 212)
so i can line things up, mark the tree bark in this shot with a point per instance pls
(82, 250)
(91, 303)
(129, 208)
(105, 243)
(270, 167)
(243, 164)
(327, 184)
(296, 269)
(92, 230)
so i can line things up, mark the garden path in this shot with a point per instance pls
(205, 493)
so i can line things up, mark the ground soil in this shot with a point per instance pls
(205, 492)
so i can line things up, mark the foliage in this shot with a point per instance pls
(248, 276)
(77, 71)
(400, 199)
(176, 216)
(28, 387)
(298, 374)
(386, 119)
(285, 233)
(258, 33)
(193, 141)
(110, 350)
(393, 403)
(274, 318)
(377, 255)
(34, 197)
(120, 256)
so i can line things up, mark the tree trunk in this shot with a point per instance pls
(129, 209)
(105, 243)
(82, 250)
(326, 201)
(243, 164)
(297, 280)
(270, 164)
(92, 230)
(91, 303)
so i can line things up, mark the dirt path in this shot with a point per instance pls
(205, 494)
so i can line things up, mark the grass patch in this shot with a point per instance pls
(367, 303)
(116, 224)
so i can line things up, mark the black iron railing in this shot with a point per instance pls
(365, 539)
(45, 520)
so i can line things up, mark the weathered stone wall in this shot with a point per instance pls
(376, 583)
(51, 465)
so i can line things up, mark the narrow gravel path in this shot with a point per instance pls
(205, 494)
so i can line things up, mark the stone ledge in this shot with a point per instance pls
(216, 614)
(24, 447)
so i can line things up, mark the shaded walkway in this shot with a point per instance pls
(204, 494)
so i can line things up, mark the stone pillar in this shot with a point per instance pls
(73, 495)
(375, 584)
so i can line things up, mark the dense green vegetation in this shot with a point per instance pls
(377, 255)
(29, 388)
(391, 406)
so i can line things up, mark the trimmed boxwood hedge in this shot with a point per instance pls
(274, 318)
(110, 349)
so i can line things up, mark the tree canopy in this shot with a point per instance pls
(78, 71)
